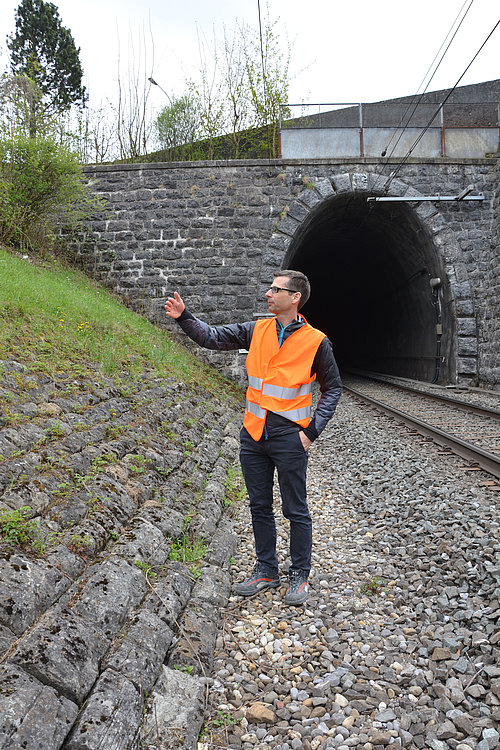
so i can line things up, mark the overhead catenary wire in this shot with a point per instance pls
(450, 92)
(420, 97)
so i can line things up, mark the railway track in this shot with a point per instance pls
(470, 430)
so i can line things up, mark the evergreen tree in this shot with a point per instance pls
(44, 51)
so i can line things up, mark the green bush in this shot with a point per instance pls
(41, 191)
(18, 529)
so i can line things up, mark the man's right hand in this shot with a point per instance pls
(174, 306)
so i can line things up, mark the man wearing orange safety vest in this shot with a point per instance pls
(285, 356)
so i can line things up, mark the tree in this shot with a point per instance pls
(41, 192)
(18, 97)
(243, 84)
(177, 126)
(268, 78)
(234, 76)
(209, 95)
(44, 51)
(133, 126)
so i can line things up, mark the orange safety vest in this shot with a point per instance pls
(279, 378)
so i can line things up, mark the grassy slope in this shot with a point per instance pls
(55, 319)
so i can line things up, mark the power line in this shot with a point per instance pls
(427, 86)
(421, 135)
(444, 42)
(264, 78)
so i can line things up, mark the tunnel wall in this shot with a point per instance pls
(216, 231)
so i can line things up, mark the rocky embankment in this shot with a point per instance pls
(110, 489)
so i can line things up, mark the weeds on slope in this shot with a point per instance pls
(56, 320)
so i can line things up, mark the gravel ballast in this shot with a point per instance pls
(398, 643)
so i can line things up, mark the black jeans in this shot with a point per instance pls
(258, 461)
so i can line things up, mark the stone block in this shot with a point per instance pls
(288, 226)
(359, 181)
(222, 546)
(397, 187)
(79, 440)
(466, 365)
(175, 713)
(212, 588)
(28, 495)
(342, 183)
(25, 436)
(437, 224)
(113, 495)
(466, 346)
(195, 647)
(6, 446)
(143, 542)
(309, 198)
(464, 308)
(64, 651)
(298, 211)
(462, 291)
(141, 650)
(112, 590)
(27, 589)
(32, 715)
(425, 210)
(170, 594)
(111, 717)
(466, 327)
(324, 188)
(169, 521)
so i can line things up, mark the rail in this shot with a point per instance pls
(486, 459)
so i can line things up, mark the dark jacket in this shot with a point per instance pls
(239, 335)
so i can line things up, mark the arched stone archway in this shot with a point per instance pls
(374, 267)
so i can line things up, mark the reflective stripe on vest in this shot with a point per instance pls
(256, 410)
(286, 393)
(296, 415)
(255, 382)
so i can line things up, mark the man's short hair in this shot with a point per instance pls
(299, 282)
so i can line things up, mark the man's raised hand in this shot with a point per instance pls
(174, 306)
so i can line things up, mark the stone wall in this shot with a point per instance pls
(216, 231)
(490, 346)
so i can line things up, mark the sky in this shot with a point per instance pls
(342, 50)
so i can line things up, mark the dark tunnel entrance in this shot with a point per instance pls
(370, 265)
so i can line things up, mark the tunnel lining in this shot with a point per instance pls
(410, 253)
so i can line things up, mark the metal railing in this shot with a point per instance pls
(379, 123)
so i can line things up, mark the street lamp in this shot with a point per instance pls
(154, 83)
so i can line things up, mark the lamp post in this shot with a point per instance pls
(154, 83)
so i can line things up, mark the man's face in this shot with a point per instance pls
(282, 302)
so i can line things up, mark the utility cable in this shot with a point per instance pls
(427, 73)
(264, 86)
(450, 92)
(426, 87)
(442, 45)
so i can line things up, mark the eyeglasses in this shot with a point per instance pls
(276, 289)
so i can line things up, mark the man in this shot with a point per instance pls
(285, 355)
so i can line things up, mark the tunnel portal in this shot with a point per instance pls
(370, 265)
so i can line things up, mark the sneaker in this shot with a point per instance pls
(259, 580)
(298, 588)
